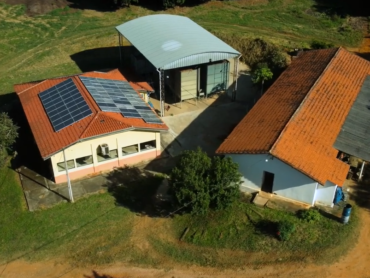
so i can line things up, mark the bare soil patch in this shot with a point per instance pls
(37, 7)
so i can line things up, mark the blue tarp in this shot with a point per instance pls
(338, 195)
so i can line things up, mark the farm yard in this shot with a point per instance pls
(117, 235)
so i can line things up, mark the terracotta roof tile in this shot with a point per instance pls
(266, 120)
(303, 136)
(99, 123)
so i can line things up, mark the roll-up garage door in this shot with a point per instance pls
(189, 79)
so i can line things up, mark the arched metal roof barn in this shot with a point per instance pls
(172, 41)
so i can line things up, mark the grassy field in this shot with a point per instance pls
(90, 231)
(96, 231)
(44, 46)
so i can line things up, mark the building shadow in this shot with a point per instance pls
(97, 59)
(366, 56)
(26, 153)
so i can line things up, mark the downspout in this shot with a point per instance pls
(362, 170)
(236, 75)
(160, 93)
(68, 180)
(119, 48)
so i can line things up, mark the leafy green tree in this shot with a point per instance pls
(201, 183)
(8, 135)
(225, 181)
(261, 74)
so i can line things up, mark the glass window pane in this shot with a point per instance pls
(147, 145)
(83, 161)
(111, 155)
(70, 165)
(130, 150)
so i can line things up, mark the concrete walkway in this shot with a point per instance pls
(42, 193)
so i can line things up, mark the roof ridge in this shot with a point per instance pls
(304, 100)
(31, 87)
(89, 125)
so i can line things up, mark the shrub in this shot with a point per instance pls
(202, 183)
(310, 215)
(257, 51)
(285, 229)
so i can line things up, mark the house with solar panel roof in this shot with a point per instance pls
(92, 122)
(95, 121)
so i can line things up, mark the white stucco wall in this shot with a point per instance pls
(325, 194)
(114, 141)
(288, 182)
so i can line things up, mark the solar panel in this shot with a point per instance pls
(64, 104)
(119, 96)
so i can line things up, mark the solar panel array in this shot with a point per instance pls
(119, 96)
(64, 104)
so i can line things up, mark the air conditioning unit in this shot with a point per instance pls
(104, 149)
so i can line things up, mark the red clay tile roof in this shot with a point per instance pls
(99, 123)
(299, 117)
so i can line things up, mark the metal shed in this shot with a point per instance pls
(171, 41)
(354, 137)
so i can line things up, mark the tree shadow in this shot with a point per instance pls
(342, 8)
(95, 274)
(137, 190)
(113, 5)
(97, 5)
(267, 227)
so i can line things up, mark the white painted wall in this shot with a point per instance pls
(288, 182)
(115, 141)
(325, 194)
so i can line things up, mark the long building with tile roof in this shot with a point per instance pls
(298, 119)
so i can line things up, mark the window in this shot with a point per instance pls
(111, 155)
(83, 161)
(147, 145)
(70, 165)
(130, 150)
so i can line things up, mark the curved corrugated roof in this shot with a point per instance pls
(172, 41)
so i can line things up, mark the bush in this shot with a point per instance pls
(201, 183)
(310, 215)
(257, 51)
(285, 229)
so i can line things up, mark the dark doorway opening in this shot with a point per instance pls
(267, 182)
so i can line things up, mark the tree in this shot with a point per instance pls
(202, 183)
(8, 135)
(261, 74)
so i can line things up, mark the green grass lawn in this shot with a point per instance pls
(95, 231)
(247, 228)
(90, 231)
(41, 47)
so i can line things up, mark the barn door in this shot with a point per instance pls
(217, 77)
